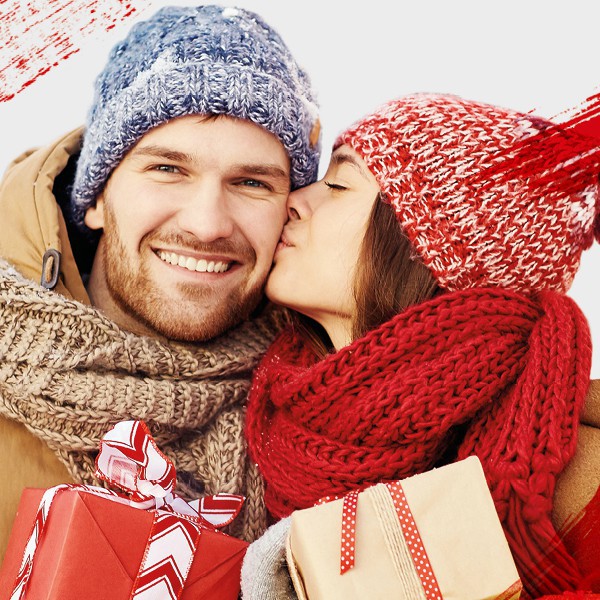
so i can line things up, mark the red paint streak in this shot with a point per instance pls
(560, 156)
(587, 122)
(38, 35)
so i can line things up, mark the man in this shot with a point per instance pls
(133, 259)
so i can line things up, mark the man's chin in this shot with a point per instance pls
(196, 324)
(190, 334)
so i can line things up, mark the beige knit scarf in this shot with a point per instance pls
(69, 374)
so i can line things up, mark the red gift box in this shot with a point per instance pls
(92, 547)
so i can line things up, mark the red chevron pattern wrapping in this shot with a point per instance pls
(130, 460)
(218, 510)
(38, 528)
(168, 558)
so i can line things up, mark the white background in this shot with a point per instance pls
(527, 55)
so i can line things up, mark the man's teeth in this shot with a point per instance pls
(191, 264)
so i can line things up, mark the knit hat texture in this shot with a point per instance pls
(480, 192)
(196, 60)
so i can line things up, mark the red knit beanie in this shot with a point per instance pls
(487, 196)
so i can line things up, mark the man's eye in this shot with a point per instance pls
(165, 168)
(334, 186)
(254, 183)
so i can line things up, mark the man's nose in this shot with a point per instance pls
(206, 214)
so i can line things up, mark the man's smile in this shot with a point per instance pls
(191, 264)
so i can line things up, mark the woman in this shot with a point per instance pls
(429, 266)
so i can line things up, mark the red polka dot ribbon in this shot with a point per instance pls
(414, 542)
(348, 532)
(409, 530)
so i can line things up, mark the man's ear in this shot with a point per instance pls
(94, 216)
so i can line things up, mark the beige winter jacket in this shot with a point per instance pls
(32, 223)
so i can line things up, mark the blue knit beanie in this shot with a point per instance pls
(196, 60)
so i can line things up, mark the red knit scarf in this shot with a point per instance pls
(483, 371)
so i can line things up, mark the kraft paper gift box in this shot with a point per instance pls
(92, 548)
(433, 535)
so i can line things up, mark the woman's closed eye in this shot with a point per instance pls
(334, 186)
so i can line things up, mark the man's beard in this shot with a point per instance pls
(195, 315)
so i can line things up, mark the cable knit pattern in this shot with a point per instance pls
(68, 374)
(483, 371)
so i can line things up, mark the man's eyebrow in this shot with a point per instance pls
(274, 171)
(162, 152)
(339, 158)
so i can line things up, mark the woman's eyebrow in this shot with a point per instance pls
(340, 158)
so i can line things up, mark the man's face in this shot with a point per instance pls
(191, 218)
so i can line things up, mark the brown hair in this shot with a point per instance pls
(389, 278)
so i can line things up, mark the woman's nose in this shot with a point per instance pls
(299, 203)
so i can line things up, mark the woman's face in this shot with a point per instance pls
(315, 260)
